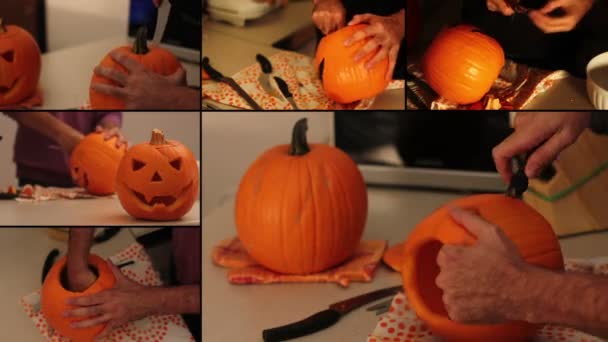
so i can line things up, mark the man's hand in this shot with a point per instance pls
(553, 131)
(476, 280)
(574, 11)
(139, 88)
(500, 6)
(386, 33)
(328, 15)
(126, 301)
(109, 133)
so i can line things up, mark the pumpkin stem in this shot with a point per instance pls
(158, 137)
(2, 27)
(140, 46)
(299, 146)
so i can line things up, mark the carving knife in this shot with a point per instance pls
(285, 91)
(162, 17)
(264, 77)
(519, 181)
(218, 77)
(326, 318)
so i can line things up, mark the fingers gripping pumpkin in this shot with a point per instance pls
(53, 296)
(20, 64)
(158, 180)
(94, 164)
(301, 208)
(345, 80)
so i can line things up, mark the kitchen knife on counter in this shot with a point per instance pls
(264, 78)
(285, 91)
(326, 318)
(218, 77)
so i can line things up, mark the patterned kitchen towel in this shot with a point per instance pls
(299, 73)
(243, 269)
(150, 329)
(400, 323)
(33, 101)
(516, 86)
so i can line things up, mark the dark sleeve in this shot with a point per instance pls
(599, 122)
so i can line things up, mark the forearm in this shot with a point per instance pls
(576, 300)
(184, 98)
(49, 126)
(174, 300)
(79, 247)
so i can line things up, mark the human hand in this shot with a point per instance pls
(386, 33)
(157, 3)
(328, 15)
(126, 301)
(479, 282)
(500, 6)
(273, 2)
(553, 131)
(111, 133)
(574, 11)
(139, 88)
(80, 279)
(69, 140)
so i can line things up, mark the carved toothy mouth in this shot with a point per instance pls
(4, 90)
(166, 200)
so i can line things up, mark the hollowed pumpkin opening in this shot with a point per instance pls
(427, 271)
(63, 277)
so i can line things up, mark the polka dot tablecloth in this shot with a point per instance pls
(299, 73)
(151, 329)
(400, 323)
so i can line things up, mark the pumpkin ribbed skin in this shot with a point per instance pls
(461, 64)
(344, 80)
(53, 296)
(530, 232)
(20, 64)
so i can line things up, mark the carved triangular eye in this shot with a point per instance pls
(8, 56)
(176, 163)
(138, 165)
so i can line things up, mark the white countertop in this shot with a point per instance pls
(392, 213)
(100, 212)
(66, 73)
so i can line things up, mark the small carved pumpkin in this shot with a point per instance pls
(158, 180)
(154, 58)
(462, 63)
(344, 80)
(301, 208)
(20, 64)
(53, 296)
(528, 229)
(94, 163)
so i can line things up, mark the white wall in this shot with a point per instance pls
(137, 127)
(232, 141)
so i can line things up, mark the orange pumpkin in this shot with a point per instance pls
(393, 257)
(153, 58)
(53, 296)
(301, 208)
(20, 64)
(158, 180)
(94, 163)
(345, 80)
(461, 64)
(530, 232)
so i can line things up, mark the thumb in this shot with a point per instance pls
(470, 220)
(551, 6)
(178, 77)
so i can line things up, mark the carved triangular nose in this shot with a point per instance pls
(157, 177)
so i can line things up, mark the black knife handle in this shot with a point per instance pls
(214, 74)
(317, 322)
(283, 86)
(264, 63)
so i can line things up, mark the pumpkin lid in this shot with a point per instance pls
(140, 45)
(299, 145)
(158, 138)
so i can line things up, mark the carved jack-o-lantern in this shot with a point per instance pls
(158, 180)
(20, 64)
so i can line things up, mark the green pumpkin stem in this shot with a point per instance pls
(2, 27)
(158, 137)
(140, 46)
(299, 145)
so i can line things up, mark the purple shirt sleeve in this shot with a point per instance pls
(113, 118)
(187, 255)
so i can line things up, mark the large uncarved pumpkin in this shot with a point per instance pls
(530, 232)
(345, 80)
(20, 64)
(462, 63)
(301, 208)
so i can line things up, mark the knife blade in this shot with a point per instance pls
(285, 91)
(218, 77)
(326, 318)
(162, 17)
(518, 183)
(264, 78)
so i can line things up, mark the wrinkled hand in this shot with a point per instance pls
(500, 6)
(386, 33)
(476, 280)
(111, 133)
(127, 301)
(329, 15)
(139, 88)
(554, 130)
(272, 2)
(574, 10)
